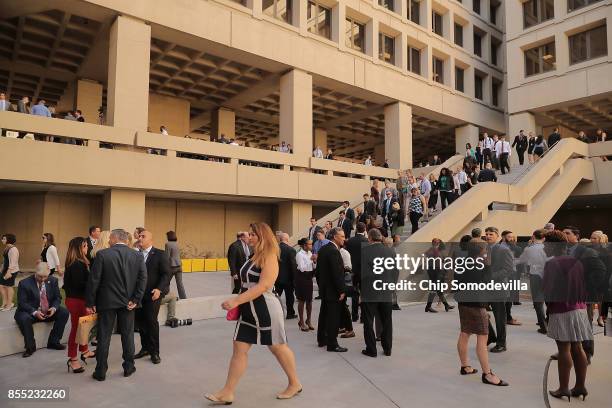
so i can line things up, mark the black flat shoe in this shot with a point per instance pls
(498, 349)
(430, 310)
(74, 370)
(338, 349)
(128, 372)
(368, 353)
(465, 372)
(56, 346)
(155, 358)
(501, 382)
(27, 353)
(396, 307)
(98, 377)
(141, 354)
(387, 353)
(448, 307)
(560, 394)
(577, 393)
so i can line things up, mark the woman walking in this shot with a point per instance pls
(416, 207)
(568, 322)
(446, 185)
(436, 275)
(173, 252)
(303, 283)
(10, 269)
(75, 285)
(530, 146)
(49, 254)
(433, 197)
(261, 318)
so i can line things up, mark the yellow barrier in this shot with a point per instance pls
(222, 264)
(197, 265)
(210, 265)
(186, 265)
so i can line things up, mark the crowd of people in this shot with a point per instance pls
(114, 274)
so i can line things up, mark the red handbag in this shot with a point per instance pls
(233, 314)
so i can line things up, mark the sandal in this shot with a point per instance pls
(464, 370)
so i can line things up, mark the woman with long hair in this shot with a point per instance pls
(10, 269)
(375, 192)
(75, 286)
(49, 253)
(261, 318)
(102, 243)
(568, 322)
(540, 148)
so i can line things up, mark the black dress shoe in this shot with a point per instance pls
(155, 359)
(98, 377)
(142, 353)
(542, 330)
(387, 353)
(368, 353)
(27, 353)
(56, 346)
(337, 349)
(498, 349)
(396, 307)
(293, 316)
(321, 344)
(129, 371)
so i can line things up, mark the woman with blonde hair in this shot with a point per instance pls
(599, 241)
(101, 243)
(261, 318)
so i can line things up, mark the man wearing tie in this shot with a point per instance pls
(92, 239)
(350, 213)
(38, 300)
(487, 145)
(521, 143)
(4, 104)
(387, 207)
(314, 228)
(237, 254)
(158, 285)
(504, 150)
(345, 224)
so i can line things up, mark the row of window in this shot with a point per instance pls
(583, 46)
(538, 11)
(413, 8)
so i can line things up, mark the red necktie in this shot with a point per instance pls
(44, 302)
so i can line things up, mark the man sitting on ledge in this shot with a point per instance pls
(38, 300)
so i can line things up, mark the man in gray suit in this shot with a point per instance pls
(502, 270)
(116, 286)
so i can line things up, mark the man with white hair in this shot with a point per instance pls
(38, 300)
(549, 226)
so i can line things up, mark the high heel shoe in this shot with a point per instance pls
(84, 358)
(303, 327)
(501, 382)
(577, 393)
(560, 394)
(74, 370)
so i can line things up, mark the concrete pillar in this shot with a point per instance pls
(295, 123)
(371, 40)
(89, 99)
(123, 209)
(465, 134)
(398, 135)
(294, 217)
(256, 8)
(320, 139)
(128, 73)
(300, 16)
(379, 154)
(223, 123)
(516, 122)
(339, 24)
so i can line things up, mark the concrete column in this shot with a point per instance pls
(371, 40)
(426, 62)
(295, 123)
(468, 37)
(320, 139)
(256, 8)
(465, 134)
(128, 73)
(294, 217)
(525, 121)
(223, 122)
(401, 52)
(89, 99)
(379, 154)
(468, 81)
(300, 15)
(398, 135)
(401, 8)
(339, 24)
(123, 209)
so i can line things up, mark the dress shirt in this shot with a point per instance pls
(346, 258)
(368, 162)
(488, 143)
(304, 261)
(319, 244)
(246, 249)
(425, 187)
(462, 176)
(52, 257)
(41, 110)
(4, 105)
(318, 153)
(145, 252)
(534, 257)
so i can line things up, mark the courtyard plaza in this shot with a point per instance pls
(422, 371)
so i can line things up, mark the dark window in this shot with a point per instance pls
(540, 59)
(459, 34)
(388, 4)
(414, 60)
(355, 33)
(577, 4)
(493, 7)
(588, 45)
(279, 9)
(414, 11)
(459, 79)
(537, 11)
(436, 23)
(438, 70)
(386, 48)
(319, 19)
(495, 87)
(476, 6)
(494, 50)
(477, 44)
(478, 85)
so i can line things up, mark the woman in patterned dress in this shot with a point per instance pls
(261, 316)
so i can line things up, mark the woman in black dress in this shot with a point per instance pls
(530, 146)
(261, 318)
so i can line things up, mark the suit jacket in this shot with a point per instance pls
(28, 294)
(158, 273)
(502, 263)
(312, 233)
(521, 143)
(89, 248)
(487, 175)
(330, 272)
(347, 226)
(22, 107)
(369, 208)
(353, 246)
(118, 275)
(350, 215)
(236, 257)
(370, 252)
(384, 207)
(287, 264)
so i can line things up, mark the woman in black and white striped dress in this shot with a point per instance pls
(261, 316)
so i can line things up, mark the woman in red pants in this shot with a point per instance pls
(75, 281)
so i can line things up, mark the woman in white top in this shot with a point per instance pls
(303, 283)
(49, 253)
(10, 269)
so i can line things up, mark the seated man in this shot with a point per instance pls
(38, 300)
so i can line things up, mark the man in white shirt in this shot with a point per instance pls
(368, 161)
(318, 153)
(4, 104)
(283, 148)
(487, 144)
(503, 151)
(535, 257)
(463, 180)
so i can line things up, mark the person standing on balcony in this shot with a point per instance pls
(318, 153)
(22, 105)
(330, 154)
(503, 151)
(521, 143)
(287, 268)
(79, 116)
(487, 175)
(163, 130)
(4, 104)
(237, 255)
(436, 160)
(174, 254)
(554, 137)
(368, 161)
(40, 109)
(531, 141)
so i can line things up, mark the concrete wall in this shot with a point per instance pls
(170, 112)
(22, 215)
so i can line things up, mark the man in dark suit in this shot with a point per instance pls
(287, 268)
(554, 137)
(38, 300)
(377, 303)
(158, 285)
(353, 246)
(314, 228)
(115, 287)
(387, 207)
(330, 278)
(370, 208)
(521, 143)
(349, 213)
(487, 174)
(237, 254)
(345, 224)
(94, 236)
